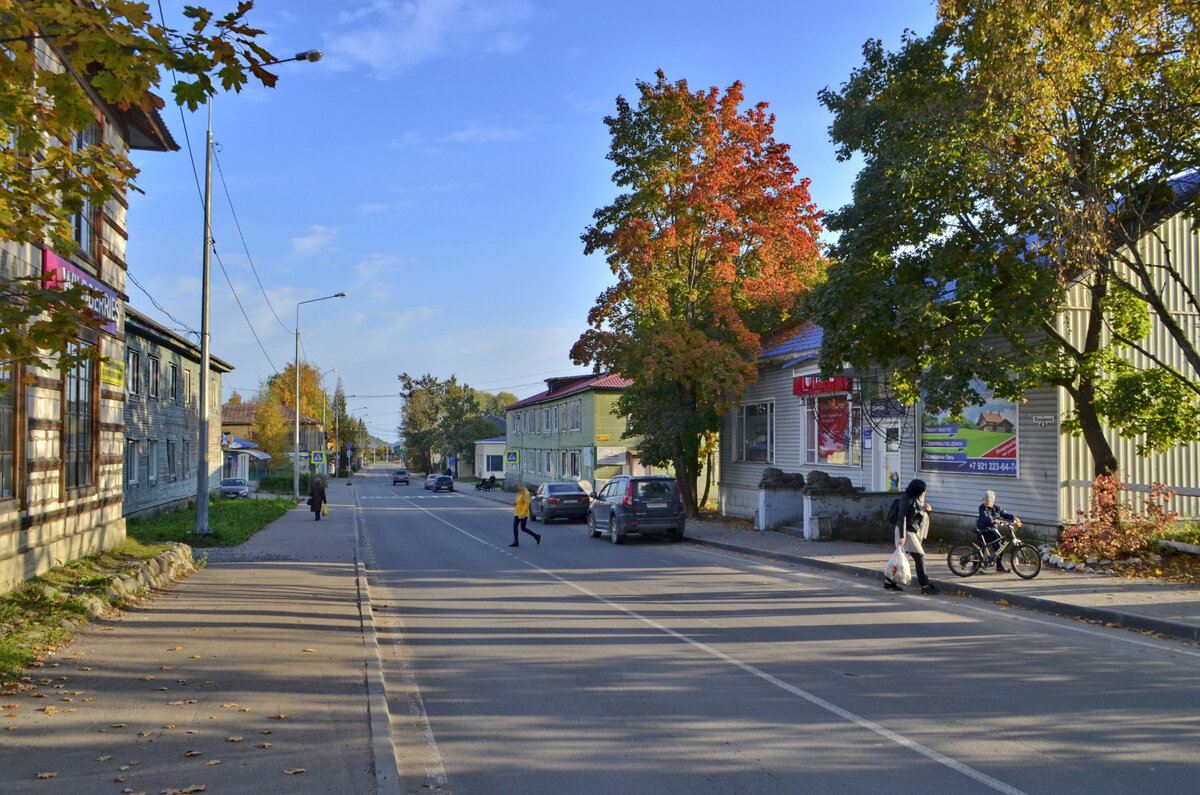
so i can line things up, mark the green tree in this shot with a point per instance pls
(1018, 153)
(271, 432)
(711, 243)
(45, 175)
(420, 417)
(312, 396)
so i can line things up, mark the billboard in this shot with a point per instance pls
(980, 440)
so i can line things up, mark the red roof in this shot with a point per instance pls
(559, 389)
(243, 414)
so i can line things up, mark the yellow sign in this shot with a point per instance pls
(602, 437)
(112, 372)
(512, 458)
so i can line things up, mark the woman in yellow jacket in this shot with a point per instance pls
(521, 516)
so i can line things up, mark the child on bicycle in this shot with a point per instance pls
(989, 514)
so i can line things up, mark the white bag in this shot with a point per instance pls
(898, 570)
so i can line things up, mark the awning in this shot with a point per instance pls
(258, 454)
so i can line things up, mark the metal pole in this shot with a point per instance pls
(202, 527)
(296, 410)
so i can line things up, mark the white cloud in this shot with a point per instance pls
(388, 36)
(488, 134)
(317, 240)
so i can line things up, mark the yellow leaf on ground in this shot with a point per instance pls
(295, 771)
(46, 775)
(234, 739)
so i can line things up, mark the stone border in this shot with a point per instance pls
(158, 572)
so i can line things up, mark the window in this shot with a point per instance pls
(78, 415)
(834, 431)
(84, 220)
(495, 463)
(153, 377)
(133, 462)
(172, 470)
(173, 381)
(574, 463)
(564, 463)
(576, 411)
(187, 456)
(133, 372)
(755, 433)
(548, 462)
(554, 420)
(187, 390)
(152, 447)
(546, 421)
(8, 432)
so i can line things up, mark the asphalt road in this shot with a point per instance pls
(584, 667)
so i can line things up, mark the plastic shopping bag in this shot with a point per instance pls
(325, 509)
(898, 570)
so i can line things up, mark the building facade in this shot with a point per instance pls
(62, 435)
(568, 432)
(162, 418)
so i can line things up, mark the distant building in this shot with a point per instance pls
(162, 418)
(489, 457)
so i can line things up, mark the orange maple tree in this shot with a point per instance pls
(712, 242)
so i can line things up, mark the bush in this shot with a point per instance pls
(1111, 528)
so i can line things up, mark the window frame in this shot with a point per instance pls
(152, 461)
(740, 446)
(812, 432)
(10, 443)
(173, 381)
(155, 368)
(80, 414)
(133, 372)
(172, 467)
(133, 462)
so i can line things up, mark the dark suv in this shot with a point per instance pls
(627, 504)
(400, 476)
(443, 482)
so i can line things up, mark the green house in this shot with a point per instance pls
(569, 433)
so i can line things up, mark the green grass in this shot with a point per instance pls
(1188, 534)
(32, 619)
(231, 521)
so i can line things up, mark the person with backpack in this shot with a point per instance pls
(910, 519)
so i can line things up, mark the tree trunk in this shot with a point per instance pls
(685, 476)
(708, 470)
(1103, 459)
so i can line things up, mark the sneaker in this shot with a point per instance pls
(929, 589)
(890, 585)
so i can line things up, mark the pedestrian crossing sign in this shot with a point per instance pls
(512, 458)
(317, 456)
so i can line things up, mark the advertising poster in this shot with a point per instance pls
(982, 440)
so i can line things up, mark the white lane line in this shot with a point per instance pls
(817, 701)
(989, 609)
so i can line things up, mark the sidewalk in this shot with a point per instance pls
(1145, 605)
(251, 675)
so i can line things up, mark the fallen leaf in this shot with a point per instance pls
(175, 648)
(166, 668)
(234, 739)
(212, 762)
(89, 698)
(145, 733)
(295, 771)
(103, 758)
(244, 709)
(194, 753)
(118, 726)
(193, 731)
(169, 726)
(228, 706)
(264, 745)
(174, 703)
(310, 651)
(279, 717)
(268, 731)
(195, 656)
(46, 775)
(148, 678)
(193, 788)
(50, 709)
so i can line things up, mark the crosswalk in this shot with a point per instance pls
(411, 496)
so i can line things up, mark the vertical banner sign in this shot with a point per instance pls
(982, 440)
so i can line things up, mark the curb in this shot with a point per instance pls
(1131, 621)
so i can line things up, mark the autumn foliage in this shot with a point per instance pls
(1111, 528)
(711, 243)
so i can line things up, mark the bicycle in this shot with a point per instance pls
(1024, 558)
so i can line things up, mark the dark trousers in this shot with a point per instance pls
(919, 565)
(519, 523)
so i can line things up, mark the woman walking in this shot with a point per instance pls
(317, 497)
(521, 516)
(911, 530)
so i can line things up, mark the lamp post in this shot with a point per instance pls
(202, 527)
(296, 408)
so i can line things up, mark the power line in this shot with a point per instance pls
(180, 323)
(246, 247)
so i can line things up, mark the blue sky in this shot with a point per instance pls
(439, 165)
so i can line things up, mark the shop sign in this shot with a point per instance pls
(815, 385)
(57, 272)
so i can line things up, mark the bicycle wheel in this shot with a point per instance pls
(964, 559)
(1025, 561)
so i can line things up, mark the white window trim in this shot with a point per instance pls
(152, 458)
(133, 463)
(133, 372)
(739, 432)
(154, 376)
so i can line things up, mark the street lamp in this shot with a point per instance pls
(202, 527)
(296, 408)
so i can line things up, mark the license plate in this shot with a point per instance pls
(656, 505)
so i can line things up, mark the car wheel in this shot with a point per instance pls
(591, 526)
(616, 537)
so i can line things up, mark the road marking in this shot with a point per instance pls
(817, 701)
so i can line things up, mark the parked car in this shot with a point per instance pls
(429, 479)
(558, 501)
(443, 482)
(400, 476)
(235, 487)
(648, 504)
